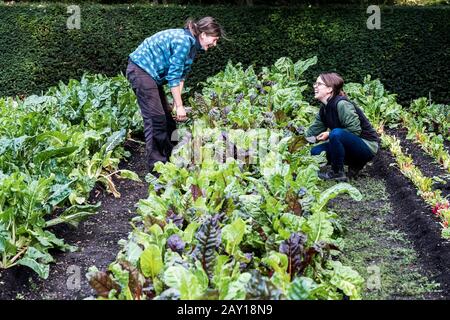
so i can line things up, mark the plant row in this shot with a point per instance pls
(228, 220)
(439, 204)
(383, 110)
(431, 143)
(53, 150)
(431, 117)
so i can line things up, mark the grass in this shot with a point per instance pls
(373, 246)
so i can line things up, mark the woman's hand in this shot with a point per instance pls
(323, 136)
(181, 114)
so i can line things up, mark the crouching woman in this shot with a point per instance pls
(350, 137)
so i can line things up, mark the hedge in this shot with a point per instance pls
(257, 2)
(410, 53)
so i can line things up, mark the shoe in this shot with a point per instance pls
(353, 172)
(332, 175)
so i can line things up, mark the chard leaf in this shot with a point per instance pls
(133, 252)
(60, 193)
(190, 285)
(37, 261)
(114, 140)
(222, 273)
(285, 66)
(134, 279)
(48, 239)
(123, 278)
(129, 175)
(346, 279)
(188, 234)
(237, 288)
(260, 287)
(320, 227)
(302, 65)
(294, 249)
(302, 288)
(232, 235)
(102, 283)
(279, 263)
(58, 136)
(74, 215)
(151, 261)
(54, 153)
(209, 239)
(334, 191)
(153, 206)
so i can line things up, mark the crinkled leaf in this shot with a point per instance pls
(74, 215)
(151, 261)
(127, 174)
(232, 235)
(54, 153)
(237, 288)
(302, 288)
(209, 239)
(188, 234)
(346, 279)
(334, 191)
(114, 140)
(37, 261)
(102, 283)
(191, 286)
(302, 65)
(320, 227)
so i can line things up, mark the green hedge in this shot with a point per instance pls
(410, 53)
(257, 2)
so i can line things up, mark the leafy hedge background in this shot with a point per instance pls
(410, 53)
(256, 2)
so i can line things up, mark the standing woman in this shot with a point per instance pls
(166, 58)
(351, 140)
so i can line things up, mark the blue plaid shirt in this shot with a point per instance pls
(167, 56)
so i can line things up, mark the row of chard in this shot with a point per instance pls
(53, 150)
(427, 125)
(219, 226)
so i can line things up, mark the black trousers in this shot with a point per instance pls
(158, 122)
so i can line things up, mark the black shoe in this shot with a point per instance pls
(332, 175)
(353, 172)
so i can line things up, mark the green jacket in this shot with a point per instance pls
(349, 120)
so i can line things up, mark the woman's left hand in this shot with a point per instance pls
(323, 136)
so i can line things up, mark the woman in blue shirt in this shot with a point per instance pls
(166, 58)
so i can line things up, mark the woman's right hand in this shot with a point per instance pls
(181, 114)
(323, 136)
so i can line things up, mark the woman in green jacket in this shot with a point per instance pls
(351, 139)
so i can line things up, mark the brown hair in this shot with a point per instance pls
(334, 81)
(207, 25)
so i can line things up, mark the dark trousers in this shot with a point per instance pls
(342, 148)
(158, 122)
